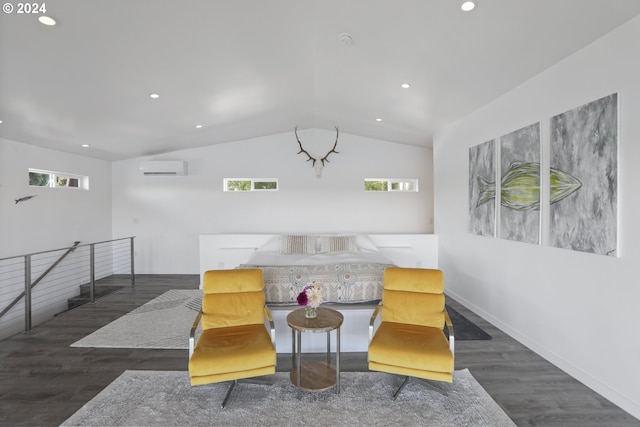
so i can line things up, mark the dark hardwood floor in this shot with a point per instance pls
(43, 380)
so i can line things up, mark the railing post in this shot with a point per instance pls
(92, 273)
(27, 294)
(29, 283)
(133, 273)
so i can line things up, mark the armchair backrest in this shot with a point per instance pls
(414, 296)
(232, 298)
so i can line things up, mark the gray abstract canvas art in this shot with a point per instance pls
(584, 147)
(482, 189)
(520, 185)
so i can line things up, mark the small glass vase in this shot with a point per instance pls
(310, 312)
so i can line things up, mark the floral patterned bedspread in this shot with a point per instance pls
(341, 283)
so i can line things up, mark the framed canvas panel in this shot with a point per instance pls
(482, 189)
(520, 185)
(584, 178)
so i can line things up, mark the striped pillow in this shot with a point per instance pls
(338, 244)
(297, 244)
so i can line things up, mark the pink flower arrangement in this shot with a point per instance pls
(310, 296)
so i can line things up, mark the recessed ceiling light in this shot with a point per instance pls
(405, 85)
(198, 126)
(468, 6)
(0, 122)
(154, 96)
(378, 119)
(85, 145)
(47, 20)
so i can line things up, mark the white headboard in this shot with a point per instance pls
(227, 251)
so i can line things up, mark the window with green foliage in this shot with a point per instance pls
(265, 185)
(387, 184)
(376, 185)
(250, 184)
(50, 179)
(237, 185)
(38, 179)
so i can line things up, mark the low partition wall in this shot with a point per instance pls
(354, 332)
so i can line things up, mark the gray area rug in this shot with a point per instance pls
(165, 398)
(163, 322)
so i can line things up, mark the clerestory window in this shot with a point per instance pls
(51, 179)
(250, 184)
(388, 184)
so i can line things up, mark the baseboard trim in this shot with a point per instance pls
(587, 379)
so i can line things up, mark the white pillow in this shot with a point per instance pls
(365, 244)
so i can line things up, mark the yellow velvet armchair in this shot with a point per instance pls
(410, 338)
(235, 342)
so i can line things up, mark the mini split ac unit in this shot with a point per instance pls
(164, 167)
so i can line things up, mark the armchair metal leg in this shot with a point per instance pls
(404, 383)
(424, 382)
(226, 397)
(264, 380)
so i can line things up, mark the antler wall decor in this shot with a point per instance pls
(314, 162)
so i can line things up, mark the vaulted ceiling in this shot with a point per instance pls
(247, 68)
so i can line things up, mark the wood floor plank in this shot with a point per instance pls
(43, 380)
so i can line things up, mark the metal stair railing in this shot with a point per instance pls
(112, 258)
(29, 285)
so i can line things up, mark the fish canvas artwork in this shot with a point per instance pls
(584, 144)
(518, 194)
(482, 213)
(519, 218)
(582, 205)
(520, 187)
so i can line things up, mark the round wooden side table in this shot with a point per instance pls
(315, 375)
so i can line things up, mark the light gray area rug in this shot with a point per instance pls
(165, 398)
(163, 322)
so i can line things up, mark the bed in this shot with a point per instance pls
(349, 266)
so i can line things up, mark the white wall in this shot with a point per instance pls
(56, 217)
(167, 214)
(578, 310)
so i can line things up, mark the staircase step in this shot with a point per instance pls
(85, 294)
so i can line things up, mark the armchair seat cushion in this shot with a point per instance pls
(414, 348)
(224, 354)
